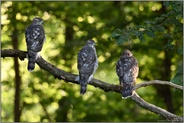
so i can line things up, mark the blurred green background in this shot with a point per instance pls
(39, 97)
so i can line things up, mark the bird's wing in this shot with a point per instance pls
(86, 60)
(131, 71)
(35, 37)
(119, 68)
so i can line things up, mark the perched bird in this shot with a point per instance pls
(35, 37)
(127, 70)
(87, 64)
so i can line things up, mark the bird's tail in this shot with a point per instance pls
(127, 90)
(32, 56)
(83, 83)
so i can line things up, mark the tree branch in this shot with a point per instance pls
(167, 115)
(68, 77)
(144, 84)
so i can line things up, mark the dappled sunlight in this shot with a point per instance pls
(6, 71)
(129, 18)
(80, 19)
(105, 36)
(156, 6)
(32, 99)
(76, 28)
(141, 8)
(102, 74)
(4, 20)
(99, 25)
(101, 58)
(7, 105)
(4, 9)
(81, 33)
(46, 16)
(33, 115)
(63, 93)
(145, 59)
(138, 80)
(21, 17)
(90, 19)
(108, 54)
(74, 67)
(103, 97)
(173, 67)
(68, 25)
(88, 94)
(161, 55)
(53, 107)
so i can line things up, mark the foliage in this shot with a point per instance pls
(178, 78)
(159, 25)
(168, 25)
(68, 25)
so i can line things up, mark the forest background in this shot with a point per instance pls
(153, 31)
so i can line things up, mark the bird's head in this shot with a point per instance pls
(126, 53)
(90, 42)
(37, 21)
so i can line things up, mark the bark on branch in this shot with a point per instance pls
(69, 77)
(144, 84)
(167, 115)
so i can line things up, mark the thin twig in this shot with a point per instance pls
(46, 112)
(144, 84)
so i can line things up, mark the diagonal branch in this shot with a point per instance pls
(68, 77)
(46, 112)
(167, 115)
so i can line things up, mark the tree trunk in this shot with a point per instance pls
(62, 112)
(165, 91)
(69, 32)
(17, 80)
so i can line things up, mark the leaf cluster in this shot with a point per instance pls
(158, 27)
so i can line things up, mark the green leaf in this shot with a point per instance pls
(153, 28)
(137, 34)
(166, 3)
(159, 19)
(160, 28)
(177, 7)
(178, 78)
(141, 37)
(148, 22)
(150, 33)
(169, 46)
(120, 40)
(166, 35)
(171, 13)
(116, 33)
(180, 50)
(164, 15)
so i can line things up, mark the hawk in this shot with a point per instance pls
(87, 64)
(127, 70)
(35, 37)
